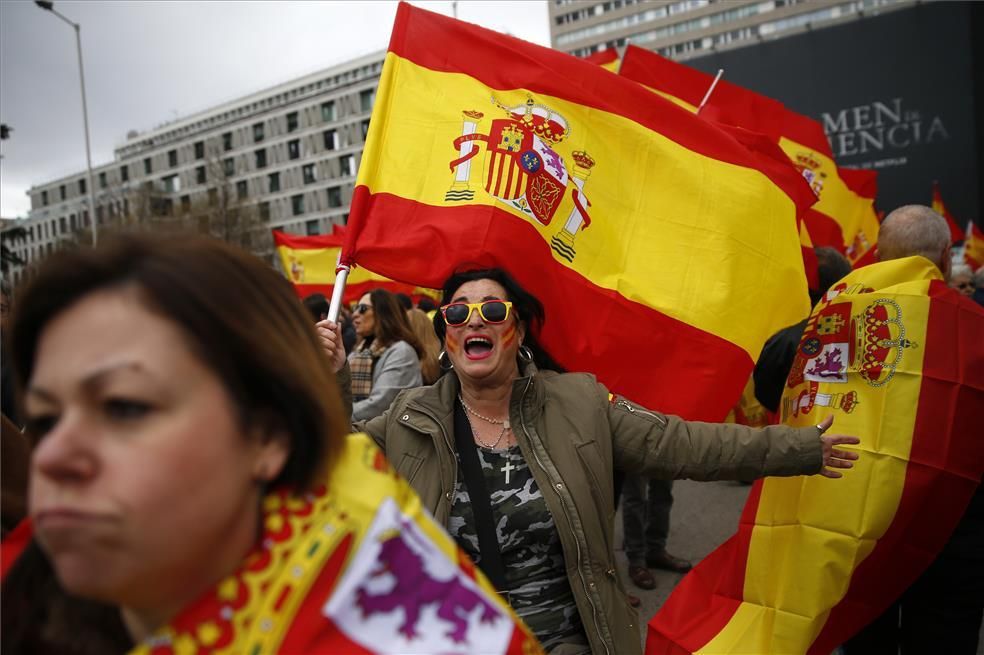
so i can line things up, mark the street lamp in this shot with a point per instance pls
(47, 5)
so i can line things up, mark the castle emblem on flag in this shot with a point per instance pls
(296, 270)
(809, 166)
(522, 168)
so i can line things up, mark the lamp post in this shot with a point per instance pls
(47, 5)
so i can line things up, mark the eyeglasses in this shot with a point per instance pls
(361, 308)
(491, 311)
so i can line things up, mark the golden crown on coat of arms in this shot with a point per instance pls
(544, 122)
(583, 159)
(880, 341)
(807, 159)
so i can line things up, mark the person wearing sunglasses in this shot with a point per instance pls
(386, 358)
(518, 461)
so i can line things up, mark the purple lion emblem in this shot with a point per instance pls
(829, 367)
(415, 589)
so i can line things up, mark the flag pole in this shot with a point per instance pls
(710, 89)
(341, 275)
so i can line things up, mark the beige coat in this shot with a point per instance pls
(573, 434)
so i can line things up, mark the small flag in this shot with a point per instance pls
(974, 246)
(956, 234)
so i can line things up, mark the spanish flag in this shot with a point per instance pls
(896, 356)
(974, 247)
(607, 59)
(643, 230)
(863, 182)
(841, 218)
(310, 262)
(956, 234)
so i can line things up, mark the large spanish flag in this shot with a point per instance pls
(956, 234)
(841, 218)
(310, 263)
(642, 229)
(897, 357)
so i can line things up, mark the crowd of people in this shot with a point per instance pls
(166, 386)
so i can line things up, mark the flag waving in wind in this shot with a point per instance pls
(644, 231)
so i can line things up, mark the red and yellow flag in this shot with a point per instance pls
(896, 356)
(310, 262)
(643, 230)
(357, 567)
(974, 247)
(863, 182)
(607, 59)
(956, 234)
(841, 218)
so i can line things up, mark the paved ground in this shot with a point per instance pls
(704, 515)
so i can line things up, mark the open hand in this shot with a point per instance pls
(833, 457)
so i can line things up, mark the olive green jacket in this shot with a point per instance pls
(573, 434)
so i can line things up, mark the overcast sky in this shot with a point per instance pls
(148, 63)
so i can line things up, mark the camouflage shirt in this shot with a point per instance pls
(534, 566)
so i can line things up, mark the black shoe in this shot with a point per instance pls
(641, 577)
(663, 560)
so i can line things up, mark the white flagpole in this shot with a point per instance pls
(710, 90)
(341, 275)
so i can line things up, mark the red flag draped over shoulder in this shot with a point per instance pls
(896, 356)
(309, 263)
(643, 230)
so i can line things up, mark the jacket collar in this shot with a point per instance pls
(440, 402)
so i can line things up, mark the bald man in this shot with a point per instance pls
(915, 230)
(941, 612)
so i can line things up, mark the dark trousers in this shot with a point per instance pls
(646, 508)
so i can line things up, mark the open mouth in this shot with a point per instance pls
(478, 347)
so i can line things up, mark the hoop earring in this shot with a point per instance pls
(440, 360)
(525, 354)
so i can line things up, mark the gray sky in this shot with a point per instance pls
(148, 63)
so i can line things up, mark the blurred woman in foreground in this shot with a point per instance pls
(191, 485)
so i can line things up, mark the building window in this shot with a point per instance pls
(297, 204)
(294, 149)
(311, 227)
(148, 166)
(44, 198)
(346, 165)
(274, 180)
(72, 223)
(172, 158)
(200, 175)
(292, 121)
(229, 166)
(261, 158)
(365, 129)
(171, 183)
(61, 191)
(186, 203)
(227, 141)
(328, 111)
(124, 174)
(264, 211)
(241, 189)
(82, 185)
(308, 171)
(331, 139)
(199, 150)
(366, 98)
(102, 180)
(257, 132)
(213, 197)
(62, 226)
(335, 196)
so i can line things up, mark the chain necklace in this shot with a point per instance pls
(504, 423)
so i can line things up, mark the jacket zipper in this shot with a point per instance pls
(624, 403)
(454, 459)
(577, 543)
